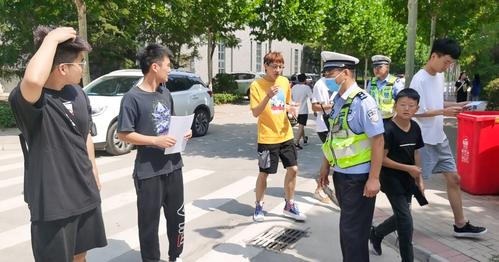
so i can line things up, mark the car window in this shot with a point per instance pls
(124, 84)
(197, 81)
(113, 86)
(178, 83)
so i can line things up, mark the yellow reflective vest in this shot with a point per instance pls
(343, 147)
(384, 97)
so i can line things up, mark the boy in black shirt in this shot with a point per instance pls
(61, 183)
(144, 120)
(401, 173)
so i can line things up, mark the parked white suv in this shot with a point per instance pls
(244, 81)
(190, 96)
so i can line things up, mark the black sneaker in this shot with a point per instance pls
(305, 139)
(469, 230)
(375, 242)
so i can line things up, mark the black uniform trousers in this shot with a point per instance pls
(400, 221)
(165, 191)
(355, 217)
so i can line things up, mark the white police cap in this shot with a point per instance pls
(337, 60)
(381, 60)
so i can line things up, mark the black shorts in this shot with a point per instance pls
(269, 154)
(60, 240)
(302, 119)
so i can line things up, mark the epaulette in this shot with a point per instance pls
(362, 95)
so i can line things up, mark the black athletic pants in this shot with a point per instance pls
(355, 217)
(165, 191)
(400, 221)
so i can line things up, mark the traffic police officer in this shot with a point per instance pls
(384, 86)
(354, 148)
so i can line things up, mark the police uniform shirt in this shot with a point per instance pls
(397, 86)
(363, 117)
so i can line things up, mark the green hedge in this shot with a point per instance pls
(224, 83)
(6, 117)
(225, 98)
(492, 94)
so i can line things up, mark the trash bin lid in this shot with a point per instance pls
(480, 116)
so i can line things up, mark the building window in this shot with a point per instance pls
(296, 61)
(258, 57)
(221, 57)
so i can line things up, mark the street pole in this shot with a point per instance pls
(412, 6)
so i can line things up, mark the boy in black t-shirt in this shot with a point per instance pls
(401, 173)
(61, 183)
(144, 120)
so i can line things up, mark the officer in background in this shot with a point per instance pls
(384, 86)
(354, 148)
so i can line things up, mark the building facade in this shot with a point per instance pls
(247, 57)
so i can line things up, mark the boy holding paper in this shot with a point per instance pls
(144, 120)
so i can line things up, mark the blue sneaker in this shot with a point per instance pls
(258, 216)
(291, 211)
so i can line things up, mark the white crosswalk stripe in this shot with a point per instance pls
(120, 199)
(240, 239)
(10, 155)
(130, 236)
(22, 233)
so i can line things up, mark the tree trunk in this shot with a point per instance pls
(270, 46)
(211, 50)
(82, 28)
(365, 72)
(412, 6)
(433, 28)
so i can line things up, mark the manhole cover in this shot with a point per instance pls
(278, 238)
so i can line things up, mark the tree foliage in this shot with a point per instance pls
(298, 21)
(218, 20)
(363, 28)
(116, 29)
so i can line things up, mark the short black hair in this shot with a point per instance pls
(409, 93)
(67, 51)
(302, 78)
(446, 46)
(152, 53)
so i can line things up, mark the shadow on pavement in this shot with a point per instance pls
(233, 136)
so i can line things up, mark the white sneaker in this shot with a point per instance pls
(258, 216)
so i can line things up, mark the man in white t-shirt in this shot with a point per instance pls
(436, 155)
(322, 97)
(301, 93)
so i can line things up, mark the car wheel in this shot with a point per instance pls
(200, 123)
(248, 93)
(114, 146)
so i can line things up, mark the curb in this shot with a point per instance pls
(420, 253)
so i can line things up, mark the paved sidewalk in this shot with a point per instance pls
(433, 239)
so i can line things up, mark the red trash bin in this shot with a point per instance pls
(477, 149)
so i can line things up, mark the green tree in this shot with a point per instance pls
(16, 35)
(112, 31)
(363, 28)
(172, 24)
(298, 21)
(219, 20)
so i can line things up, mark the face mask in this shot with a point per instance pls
(332, 85)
